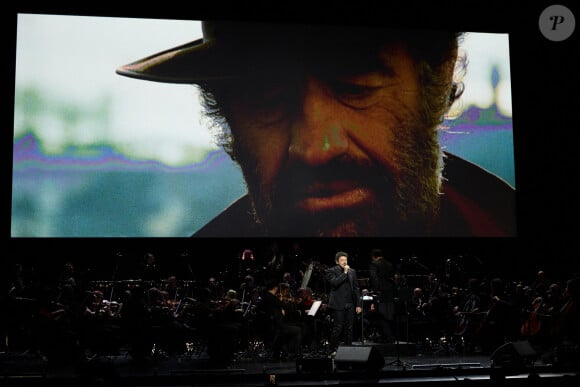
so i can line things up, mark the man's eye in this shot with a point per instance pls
(354, 95)
(269, 104)
(267, 96)
(272, 92)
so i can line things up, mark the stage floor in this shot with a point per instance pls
(358, 366)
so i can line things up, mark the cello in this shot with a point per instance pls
(533, 324)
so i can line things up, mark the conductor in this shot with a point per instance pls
(381, 272)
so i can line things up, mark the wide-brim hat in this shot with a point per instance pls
(232, 48)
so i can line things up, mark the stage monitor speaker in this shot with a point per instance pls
(515, 354)
(355, 357)
(320, 365)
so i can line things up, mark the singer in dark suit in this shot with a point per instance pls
(344, 300)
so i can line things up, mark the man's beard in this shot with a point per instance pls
(402, 205)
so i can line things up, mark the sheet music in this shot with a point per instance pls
(314, 308)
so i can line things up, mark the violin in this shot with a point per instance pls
(288, 300)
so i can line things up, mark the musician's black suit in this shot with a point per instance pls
(344, 298)
(381, 272)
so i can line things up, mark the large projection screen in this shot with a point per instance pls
(96, 154)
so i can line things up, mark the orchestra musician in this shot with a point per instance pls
(51, 328)
(97, 322)
(305, 299)
(301, 262)
(292, 313)
(248, 265)
(563, 331)
(285, 293)
(173, 291)
(469, 315)
(276, 261)
(231, 302)
(554, 300)
(499, 323)
(567, 318)
(247, 291)
(312, 324)
(149, 269)
(284, 336)
(417, 316)
(533, 327)
(289, 279)
(369, 320)
(228, 327)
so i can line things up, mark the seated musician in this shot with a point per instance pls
(312, 324)
(305, 299)
(157, 303)
(371, 328)
(227, 329)
(567, 318)
(231, 302)
(469, 315)
(555, 298)
(417, 315)
(284, 336)
(248, 264)
(499, 322)
(289, 278)
(174, 291)
(247, 287)
(286, 295)
(97, 330)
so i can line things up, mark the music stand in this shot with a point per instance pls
(312, 313)
(364, 297)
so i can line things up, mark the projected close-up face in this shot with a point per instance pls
(260, 130)
(339, 149)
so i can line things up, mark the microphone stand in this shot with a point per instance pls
(362, 321)
(397, 362)
(114, 277)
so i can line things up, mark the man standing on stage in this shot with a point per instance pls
(344, 300)
(381, 272)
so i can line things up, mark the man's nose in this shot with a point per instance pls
(317, 133)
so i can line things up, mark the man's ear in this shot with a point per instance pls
(456, 69)
(456, 91)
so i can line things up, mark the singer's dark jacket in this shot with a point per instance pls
(343, 288)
